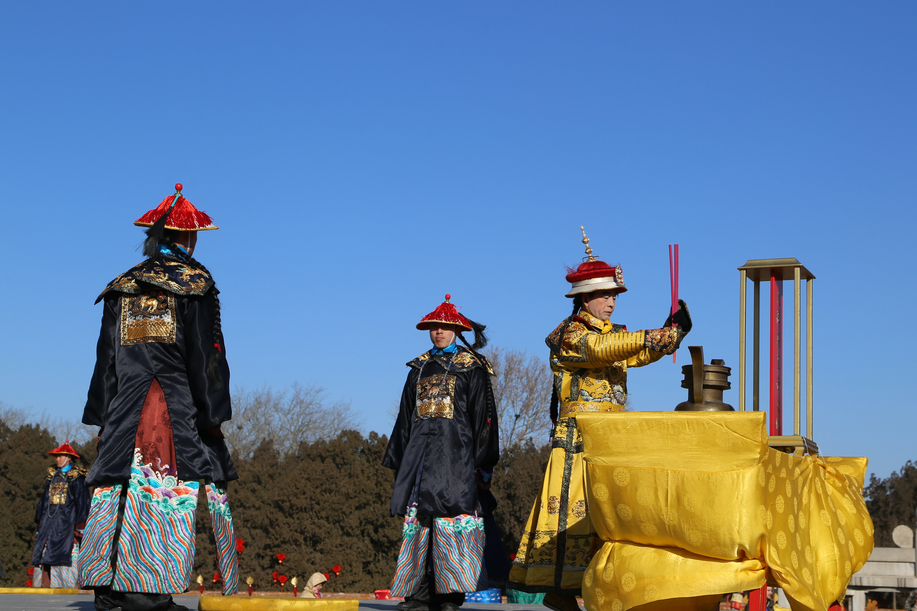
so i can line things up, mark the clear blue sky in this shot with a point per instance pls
(364, 158)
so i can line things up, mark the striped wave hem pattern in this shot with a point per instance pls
(412, 557)
(224, 536)
(94, 561)
(458, 553)
(156, 547)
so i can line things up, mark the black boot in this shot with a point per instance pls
(561, 602)
(419, 600)
(107, 599)
(450, 601)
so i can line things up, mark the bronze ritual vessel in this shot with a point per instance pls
(711, 379)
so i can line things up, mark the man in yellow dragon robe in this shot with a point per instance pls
(589, 358)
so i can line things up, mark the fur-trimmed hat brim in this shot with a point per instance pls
(595, 284)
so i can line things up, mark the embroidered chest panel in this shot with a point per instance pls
(436, 397)
(57, 493)
(591, 390)
(148, 317)
(599, 385)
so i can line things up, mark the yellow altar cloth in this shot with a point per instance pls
(693, 505)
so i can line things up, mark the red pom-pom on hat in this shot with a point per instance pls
(445, 314)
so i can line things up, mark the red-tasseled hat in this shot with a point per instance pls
(183, 216)
(594, 275)
(65, 449)
(447, 314)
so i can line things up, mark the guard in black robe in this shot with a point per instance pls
(159, 393)
(60, 516)
(446, 431)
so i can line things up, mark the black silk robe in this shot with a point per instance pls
(446, 428)
(63, 508)
(157, 324)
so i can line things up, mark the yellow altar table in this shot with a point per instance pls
(692, 505)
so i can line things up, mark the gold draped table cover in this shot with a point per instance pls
(690, 506)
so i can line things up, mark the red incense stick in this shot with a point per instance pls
(673, 281)
(672, 278)
(677, 276)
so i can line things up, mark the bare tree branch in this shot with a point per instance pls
(61, 429)
(14, 417)
(523, 393)
(295, 415)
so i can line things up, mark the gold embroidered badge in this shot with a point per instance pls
(435, 397)
(579, 509)
(148, 317)
(57, 493)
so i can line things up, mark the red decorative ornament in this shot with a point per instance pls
(251, 590)
(216, 577)
(240, 546)
(283, 580)
(178, 187)
(274, 575)
(281, 558)
(31, 570)
(28, 583)
(336, 569)
(327, 576)
(446, 314)
(201, 588)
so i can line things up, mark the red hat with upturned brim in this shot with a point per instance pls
(445, 314)
(594, 275)
(65, 449)
(183, 216)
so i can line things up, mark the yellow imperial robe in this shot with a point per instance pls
(692, 505)
(590, 375)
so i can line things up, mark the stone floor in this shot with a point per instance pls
(83, 602)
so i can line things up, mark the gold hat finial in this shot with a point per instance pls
(250, 581)
(589, 256)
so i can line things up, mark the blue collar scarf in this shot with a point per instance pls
(450, 349)
(173, 250)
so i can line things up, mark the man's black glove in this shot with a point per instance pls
(682, 318)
